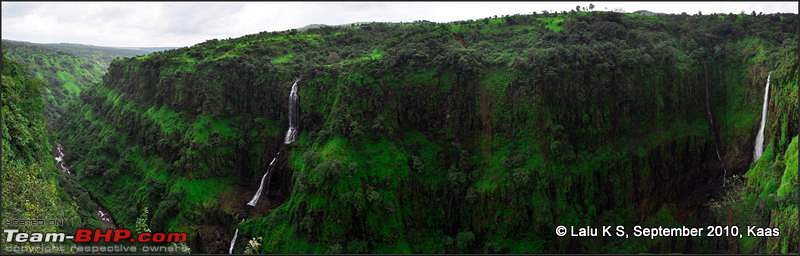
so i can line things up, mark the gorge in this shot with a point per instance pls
(476, 136)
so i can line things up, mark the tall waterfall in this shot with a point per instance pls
(759, 144)
(293, 114)
(291, 133)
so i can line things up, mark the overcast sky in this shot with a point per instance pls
(184, 23)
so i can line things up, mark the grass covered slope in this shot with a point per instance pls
(65, 73)
(29, 176)
(473, 136)
(66, 70)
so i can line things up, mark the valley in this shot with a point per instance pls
(475, 136)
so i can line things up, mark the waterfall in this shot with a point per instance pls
(101, 213)
(233, 241)
(60, 159)
(291, 133)
(104, 217)
(293, 114)
(759, 144)
(264, 180)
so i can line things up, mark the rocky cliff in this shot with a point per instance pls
(472, 136)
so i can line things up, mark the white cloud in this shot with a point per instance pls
(186, 23)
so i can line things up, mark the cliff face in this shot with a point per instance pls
(475, 136)
(65, 74)
(54, 75)
(66, 68)
(29, 176)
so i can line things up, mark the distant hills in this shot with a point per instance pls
(66, 68)
(85, 49)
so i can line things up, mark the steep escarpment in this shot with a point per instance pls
(66, 71)
(30, 189)
(768, 193)
(474, 136)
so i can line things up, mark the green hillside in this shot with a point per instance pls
(476, 136)
(39, 84)
(30, 177)
(66, 68)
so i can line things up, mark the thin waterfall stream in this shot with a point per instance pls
(758, 148)
(264, 180)
(102, 214)
(60, 159)
(233, 241)
(293, 114)
(291, 135)
(713, 128)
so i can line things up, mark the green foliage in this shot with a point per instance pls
(770, 194)
(374, 55)
(69, 83)
(472, 136)
(167, 119)
(153, 168)
(283, 59)
(553, 23)
(66, 68)
(141, 222)
(789, 181)
(29, 177)
(205, 126)
(771, 190)
(200, 191)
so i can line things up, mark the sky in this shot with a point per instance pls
(176, 24)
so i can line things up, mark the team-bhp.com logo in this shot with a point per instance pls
(85, 235)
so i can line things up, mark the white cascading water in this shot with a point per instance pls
(103, 216)
(759, 144)
(233, 241)
(264, 180)
(60, 159)
(100, 212)
(291, 135)
(293, 114)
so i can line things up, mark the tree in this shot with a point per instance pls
(141, 222)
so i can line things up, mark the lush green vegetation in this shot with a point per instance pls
(97, 53)
(66, 68)
(471, 136)
(31, 101)
(29, 184)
